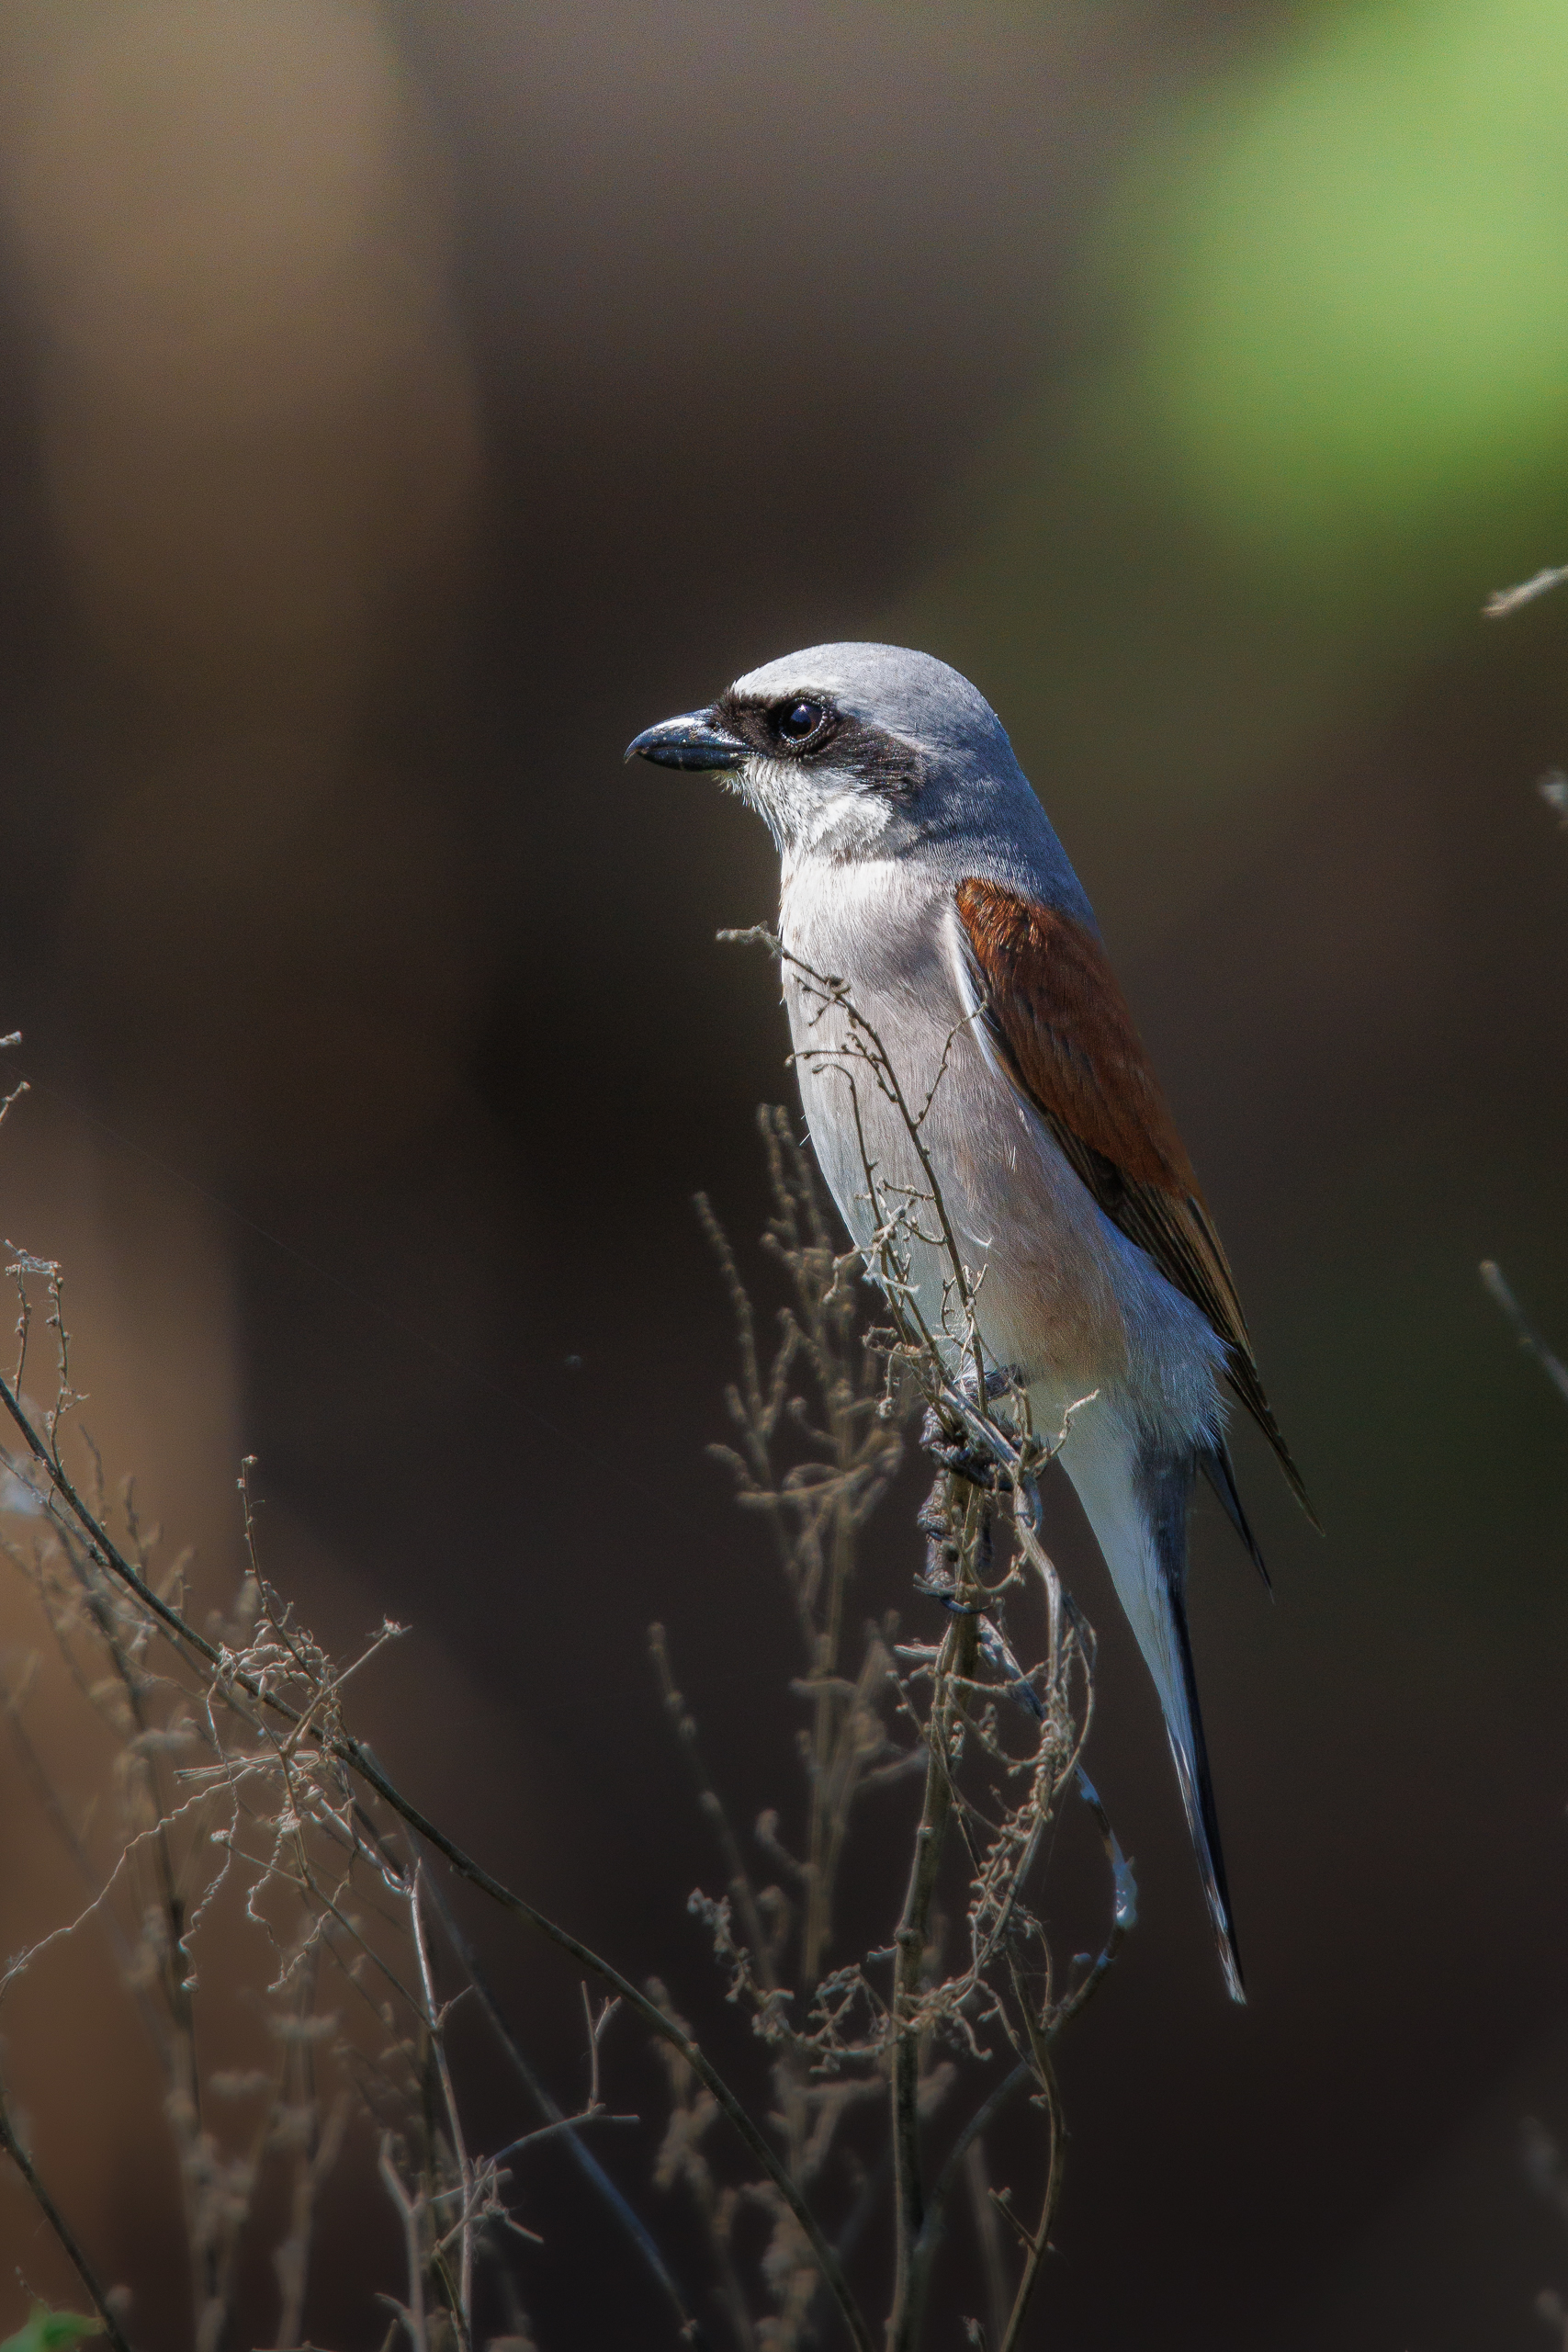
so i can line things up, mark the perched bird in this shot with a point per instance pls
(920, 869)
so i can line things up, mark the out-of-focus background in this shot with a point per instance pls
(398, 408)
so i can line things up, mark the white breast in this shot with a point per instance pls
(1063, 1297)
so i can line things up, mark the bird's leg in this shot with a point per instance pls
(934, 1521)
(965, 1461)
(985, 1550)
(941, 1520)
(940, 1515)
(957, 1460)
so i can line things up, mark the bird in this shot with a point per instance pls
(923, 883)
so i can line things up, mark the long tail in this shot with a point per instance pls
(1215, 1460)
(1169, 1491)
(1137, 1506)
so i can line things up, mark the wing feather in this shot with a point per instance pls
(1057, 1013)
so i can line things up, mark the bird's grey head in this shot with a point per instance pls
(850, 751)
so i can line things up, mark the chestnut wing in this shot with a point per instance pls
(1056, 1014)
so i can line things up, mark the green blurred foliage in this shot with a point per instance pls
(1314, 409)
(1352, 272)
(47, 2331)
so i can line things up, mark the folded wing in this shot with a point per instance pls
(1061, 1025)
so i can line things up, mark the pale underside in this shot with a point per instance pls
(1065, 1300)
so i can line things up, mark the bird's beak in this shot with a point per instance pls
(696, 739)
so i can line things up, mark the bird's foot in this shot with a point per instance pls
(940, 1583)
(958, 1458)
(956, 1453)
(936, 1521)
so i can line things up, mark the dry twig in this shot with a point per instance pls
(816, 1426)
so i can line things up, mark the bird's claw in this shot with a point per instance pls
(954, 1455)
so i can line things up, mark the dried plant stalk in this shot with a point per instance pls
(242, 1792)
(240, 1788)
(933, 2017)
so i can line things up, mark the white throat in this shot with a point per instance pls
(822, 813)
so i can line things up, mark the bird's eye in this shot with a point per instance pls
(797, 720)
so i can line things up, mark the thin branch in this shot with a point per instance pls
(63, 2230)
(352, 1753)
(1039, 2246)
(957, 1661)
(1525, 1333)
(1504, 601)
(558, 2120)
(990, 2237)
(435, 2027)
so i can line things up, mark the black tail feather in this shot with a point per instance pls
(1214, 1462)
(1169, 1492)
(1198, 1796)
(1242, 1374)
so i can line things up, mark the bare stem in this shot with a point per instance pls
(954, 1666)
(63, 2230)
(1037, 2246)
(556, 2120)
(435, 2027)
(1529, 1338)
(356, 1757)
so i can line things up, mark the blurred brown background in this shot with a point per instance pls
(399, 407)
